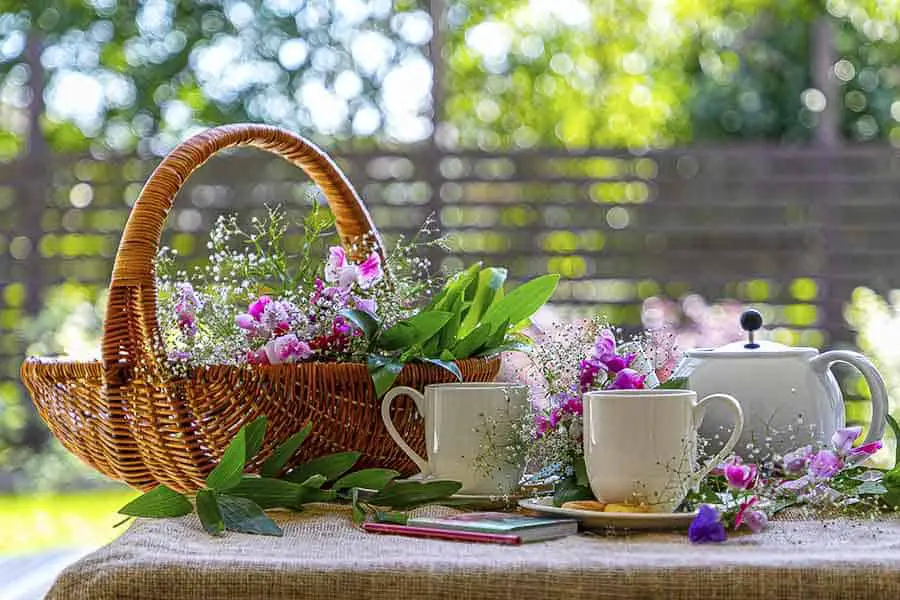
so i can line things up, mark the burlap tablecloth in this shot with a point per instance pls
(323, 556)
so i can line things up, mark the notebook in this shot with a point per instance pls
(528, 529)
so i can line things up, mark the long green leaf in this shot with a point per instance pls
(331, 467)
(231, 466)
(470, 344)
(447, 365)
(368, 324)
(414, 330)
(446, 337)
(370, 479)
(245, 516)
(209, 512)
(255, 433)
(275, 463)
(523, 301)
(158, 502)
(269, 493)
(895, 427)
(403, 495)
(456, 286)
(489, 287)
(384, 372)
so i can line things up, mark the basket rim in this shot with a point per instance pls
(65, 360)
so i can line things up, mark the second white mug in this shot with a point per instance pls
(640, 446)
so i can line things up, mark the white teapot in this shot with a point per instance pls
(789, 396)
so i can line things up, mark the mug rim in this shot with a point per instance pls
(643, 392)
(492, 385)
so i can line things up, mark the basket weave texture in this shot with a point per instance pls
(127, 417)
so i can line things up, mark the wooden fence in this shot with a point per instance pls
(793, 230)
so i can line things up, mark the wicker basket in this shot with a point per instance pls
(127, 418)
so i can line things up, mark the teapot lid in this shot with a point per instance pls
(751, 322)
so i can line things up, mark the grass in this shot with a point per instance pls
(76, 520)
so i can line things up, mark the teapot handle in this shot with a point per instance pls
(873, 378)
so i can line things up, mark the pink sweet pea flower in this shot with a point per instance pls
(617, 363)
(798, 460)
(256, 308)
(541, 425)
(605, 346)
(572, 405)
(246, 321)
(258, 357)
(825, 464)
(744, 507)
(742, 477)
(367, 305)
(337, 262)
(843, 439)
(861, 453)
(628, 379)
(369, 271)
(756, 520)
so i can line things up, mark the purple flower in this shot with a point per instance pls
(287, 349)
(628, 379)
(740, 476)
(572, 405)
(798, 460)
(246, 321)
(756, 520)
(370, 271)
(605, 346)
(707, 526)
(617, 363)
(256, 308)
(179, 356)
(367, 305)
(843, 439)
(587, 374)
(541, 425)
(825, 464)
(861, 453)
(795, 486)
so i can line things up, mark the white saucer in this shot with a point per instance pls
(591, 519)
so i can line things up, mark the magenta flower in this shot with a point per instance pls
(742, 511)
(572, 405)
(742, 477)
(587, 374)
(605, 346)
(369, 271)
(843, 439)
(756, 520)
(798, 460)
(617, 363)
(541, 425)
(256, 308)
(257, 357)
(246, 321)
(825, 464)
(287, 349)
(628, 379)
(861, 453)
(336, 265)
(707, 526)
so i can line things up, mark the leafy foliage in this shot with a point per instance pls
(233, 501)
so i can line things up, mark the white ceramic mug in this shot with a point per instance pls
(640, 446)
(459, 419)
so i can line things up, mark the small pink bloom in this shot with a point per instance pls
(337, 260)
(628, 379)
(742, 477)
(572, 405)
(370, 271)
(256, 308)
(257, 357)
(541, 425)
(756, 520)
(245, 321)
(742, 510)
(798, 460)
(348, 277)
(288, 348)
(843, 439)
(795, 486)
(825, 464)
(861, 453)
(366, 305)
(605, 346)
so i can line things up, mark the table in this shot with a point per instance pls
(323, 556)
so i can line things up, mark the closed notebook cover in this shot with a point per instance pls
(496, 522)
(442, 534)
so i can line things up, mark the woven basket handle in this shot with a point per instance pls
(131, 309)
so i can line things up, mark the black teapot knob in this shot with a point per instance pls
(751, 321)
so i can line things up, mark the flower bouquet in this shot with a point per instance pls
(310, 336)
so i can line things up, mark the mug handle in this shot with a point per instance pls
(873, 378)
(699, 410)
(419, 400)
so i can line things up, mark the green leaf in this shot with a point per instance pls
(276, 462)
(397, 518)
(357, 513)
(269, 493)
(255, 433)
(568, 490)
(314, 482)
(447, 365)
(489, 288)
(871, 488)
(314, 495)
(523, 301)
(403, 495)
(581, 476)
(370, 479)
(895, 427)
(674, 383)
(331, 467)
(209, 512)
(231, 466)
(509, 347)
(446, 337)
(472, 342)
(384, 372)
(414, 330)
(245, 516)
(158, 502)
(368, 324)
(455, 287)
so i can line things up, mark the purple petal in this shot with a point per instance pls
(370, 271)
(756, 520)
(825, 464)
(245, 321)
(843, 439)
(707, 526)
(256, 308)
(337, 260)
